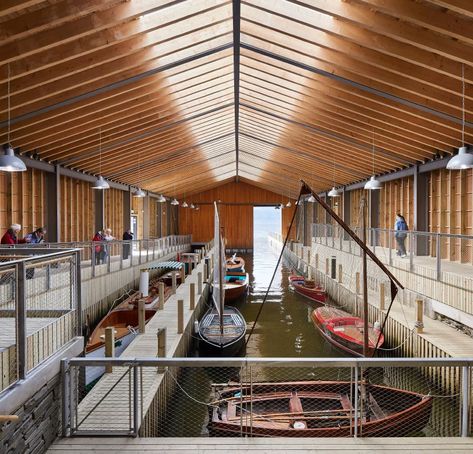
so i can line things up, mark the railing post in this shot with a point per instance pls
(381, 296)
(390, 247)
(93, 260)
(66, 400)
(180, 316)
(173, 282)
(437, 253)
(192, 296)
(340, 274)
(141, 316)
(139, 251)
(199, 283)
(356, 403)
(136, 413)
(466, 391)
(411, 252)
(78, 290)
(420, 316)
(21, 321)
(357, 283)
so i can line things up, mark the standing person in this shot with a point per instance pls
(127, 236)
(99, 249)
(107, 237)
(11, 235)
(401, 228)
(37, 236)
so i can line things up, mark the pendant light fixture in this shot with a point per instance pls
(100, 183)
(139, 192)
(184, 204)
(9, 162)
(289, 204)
(373, 184)
(174, 202)
(334, 192)
(463, 160)
(192, 206)
(161, 199)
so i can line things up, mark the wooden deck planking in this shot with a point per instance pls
(263, 445)
(113, 412)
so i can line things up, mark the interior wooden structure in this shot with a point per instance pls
(234, 101)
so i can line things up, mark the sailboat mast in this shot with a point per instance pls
(220, 278)
(365, 280)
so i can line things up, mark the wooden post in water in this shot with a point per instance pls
(183, 273)
(327, 266)
(180, 316)
(174, 282)
(316, 261)
(420, 316)
(192, 296)
(161, 335)
(340, 274)
(357, 283)
(109, 346)
(381, 296)
(199, 283)
(141, 316)
(205, 272)
(161, 296)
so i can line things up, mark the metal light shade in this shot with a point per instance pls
(100, 183)
(161, 199)
(463, 160)
(288, 204)
(139, 193)
(311, 199)
(334, 192)
(174, 202)
(184, 204)
(11, 163)
(373, 184)
(192, 206)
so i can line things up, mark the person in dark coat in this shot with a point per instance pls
(401, 228)
(127, 236)
(99, 248)
(37, 236)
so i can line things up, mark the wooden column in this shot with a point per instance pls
(421, 211)
(109, 346)
(161, 296)
(126, 210)
(99, 210)
(146, 222)
(53, 210)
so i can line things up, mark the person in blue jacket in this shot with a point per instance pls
(400, 226)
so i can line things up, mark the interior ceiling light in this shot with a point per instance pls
(288, 204)
(373, 184)
(184, 204)
(311, 199)
(9, 162)
(334, 192)
(161, 199)
(192, 206)
(139, 193)
(463, 160)
(100, 183)
(174, 202)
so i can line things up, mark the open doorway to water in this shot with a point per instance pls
(266, 220)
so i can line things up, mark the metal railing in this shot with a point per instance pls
(40, 307)
(339, 397)
(438, 251)
(105, 256)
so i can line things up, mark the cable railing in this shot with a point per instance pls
(102, 257)
(288, 397)
(437, 251)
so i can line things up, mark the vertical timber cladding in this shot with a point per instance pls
(137, 207)
(397, 196)
(113, 211)
(77, 210)
(23, 200)
(450, 211)
(237, 220)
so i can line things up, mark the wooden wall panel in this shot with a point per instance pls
(237, 220)
(153, 218)
(396, 196)
(23, 200)
(77, 210)
(355, 202)
(113, 211)
(137, 209)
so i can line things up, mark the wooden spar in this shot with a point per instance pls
(394, 282)
(365, 280)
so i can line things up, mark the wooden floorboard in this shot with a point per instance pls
(262, 445)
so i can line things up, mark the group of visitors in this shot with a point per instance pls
(11, 235)
(102, 250)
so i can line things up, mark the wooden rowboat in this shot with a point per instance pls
(236, 285)
(235, 263)
(316, 409)
(308, 288)
(345, 331)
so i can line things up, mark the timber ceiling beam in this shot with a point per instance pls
(236, 75)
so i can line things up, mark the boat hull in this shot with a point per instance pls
(412, 416)
(344, 321)
(316, 294)
(236, 290)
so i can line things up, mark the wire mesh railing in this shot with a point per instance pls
(40, 308)
(285, 397)
(437, 251)
(102, 257)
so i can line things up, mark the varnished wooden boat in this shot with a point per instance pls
(316, 409)
(235, 263)
(236, 285)
(226, 342)
(345, 331)
(308, 288)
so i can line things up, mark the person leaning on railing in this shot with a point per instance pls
(400, 226)
(11, 235)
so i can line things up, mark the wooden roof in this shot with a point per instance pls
(182, 95)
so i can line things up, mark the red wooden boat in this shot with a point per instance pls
(316, 409)
(236, 285)
(346, 331)
(308, 288)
